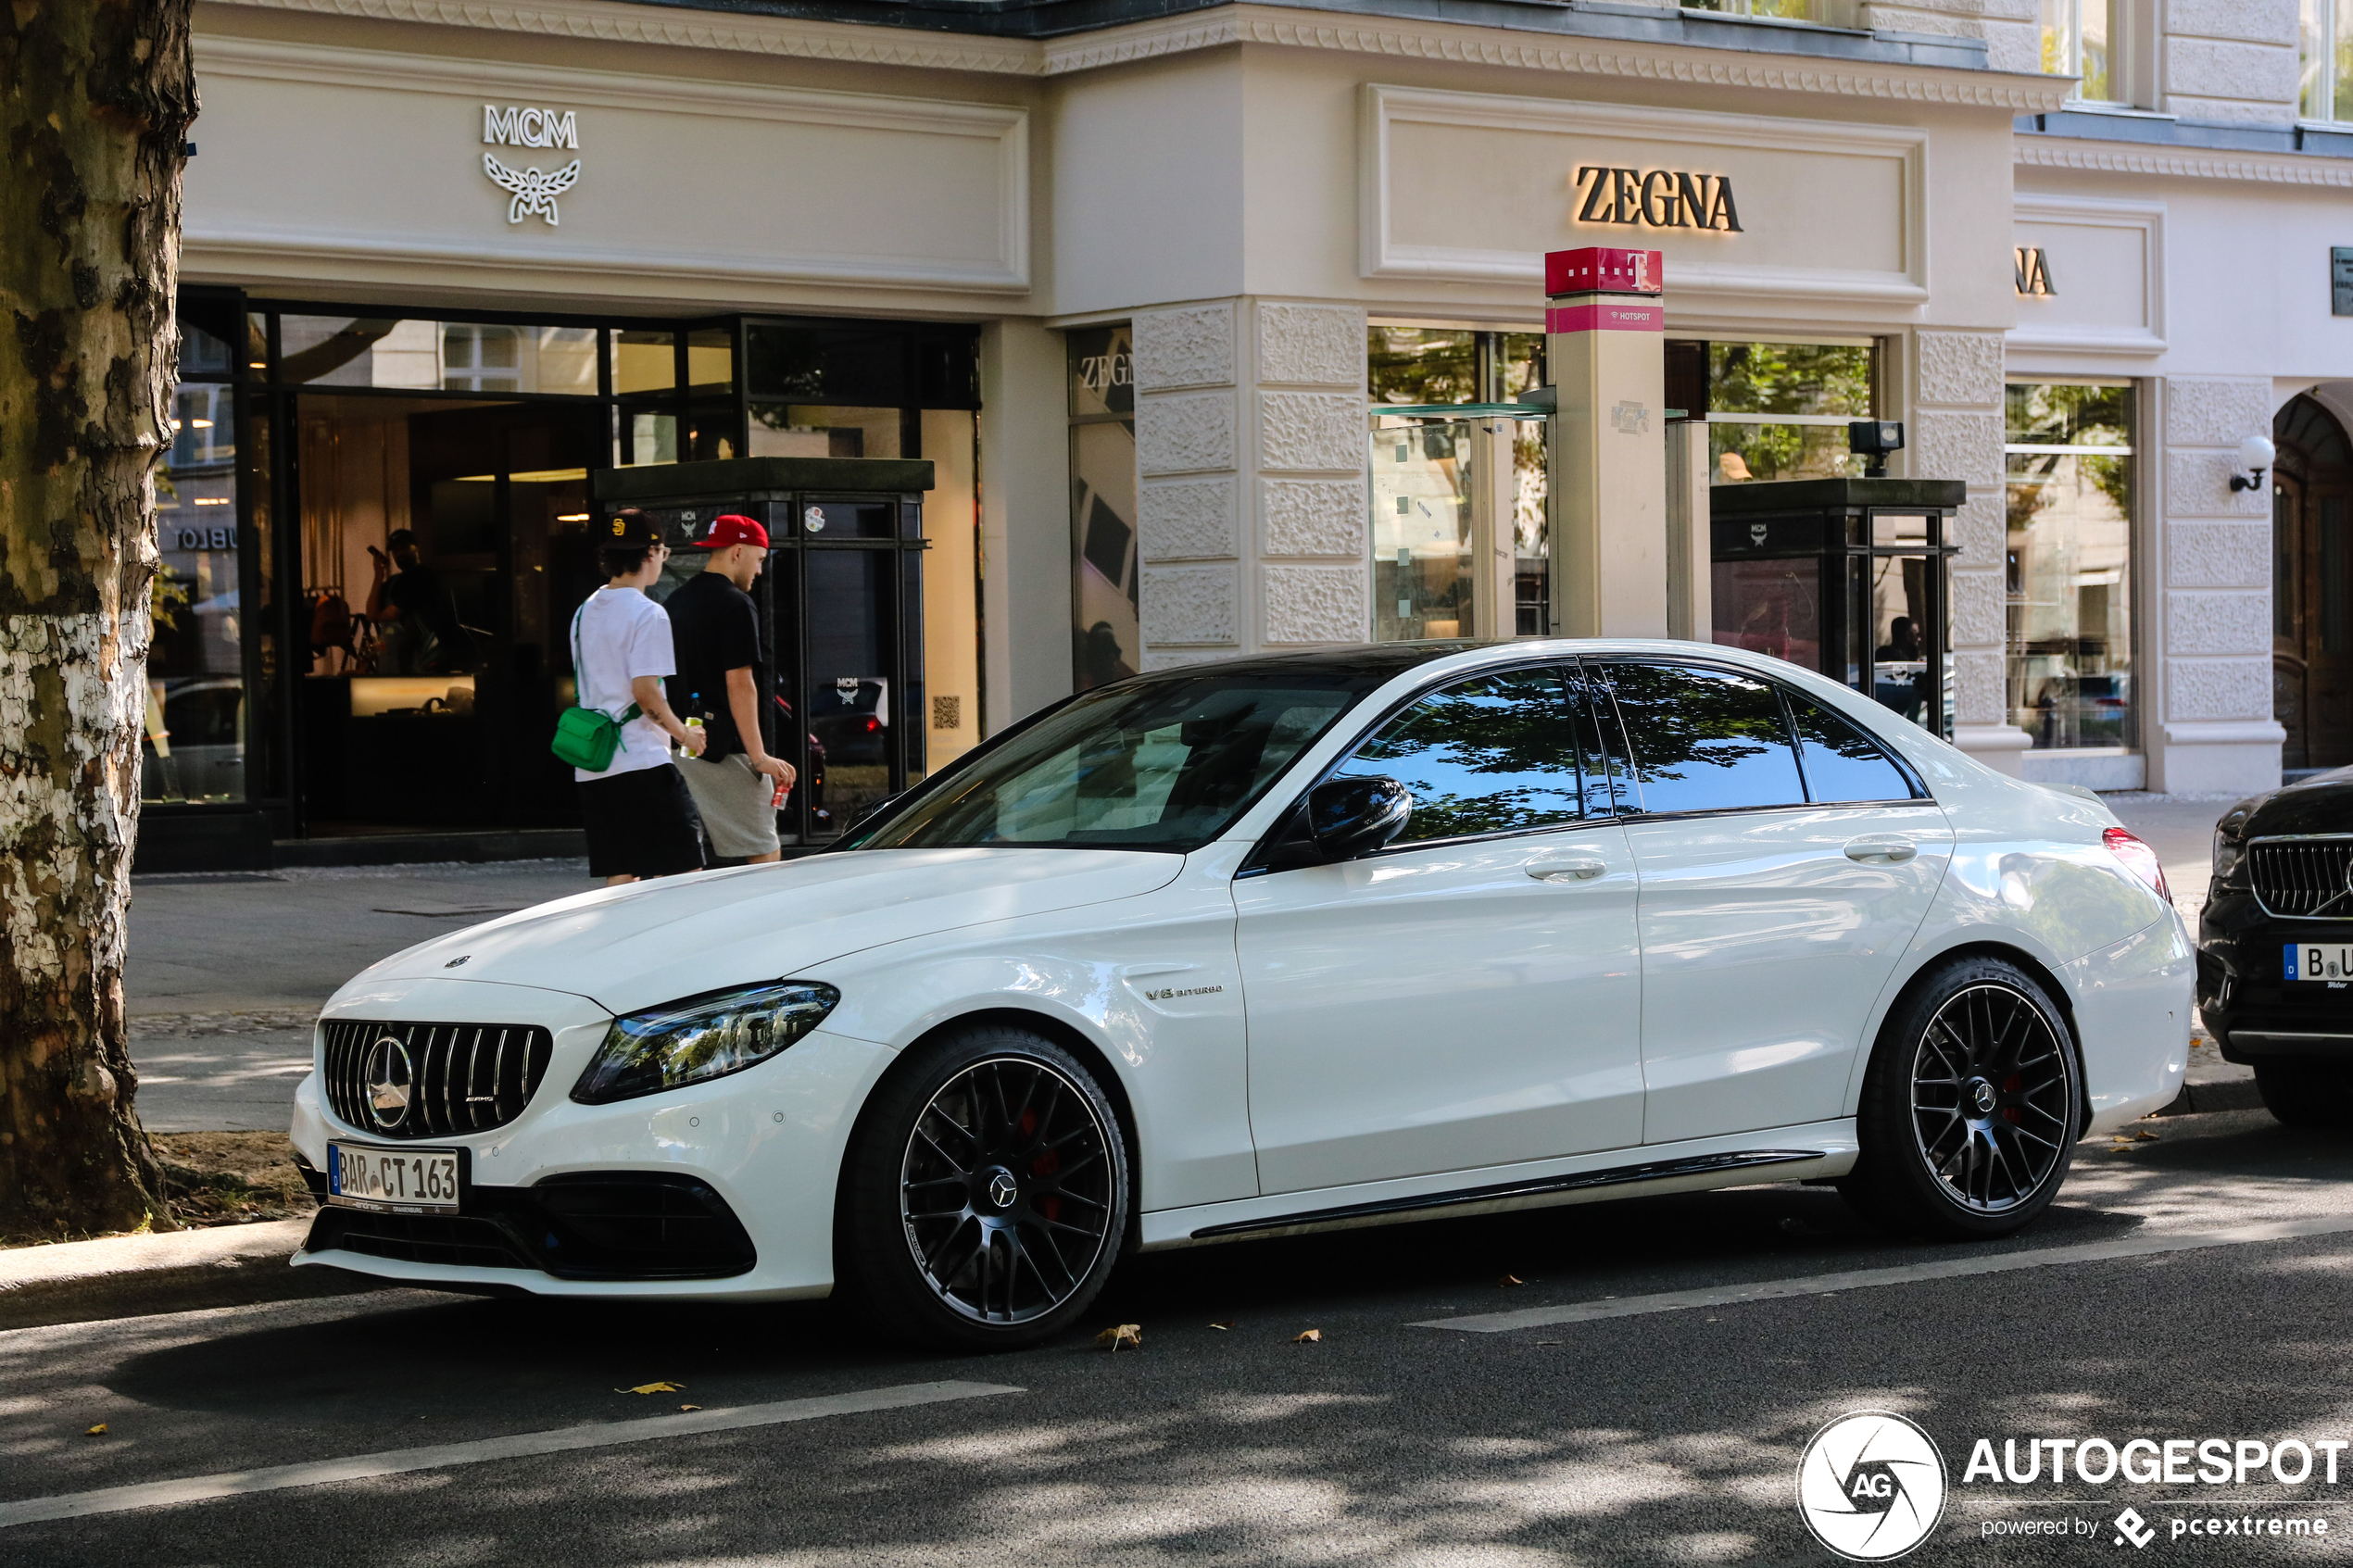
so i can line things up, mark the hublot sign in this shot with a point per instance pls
(1657, 198)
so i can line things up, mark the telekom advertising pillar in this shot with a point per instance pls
(1605, 353)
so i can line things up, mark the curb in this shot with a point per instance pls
(184, 1270)
(2230, 1094)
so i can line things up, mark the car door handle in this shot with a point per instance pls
(1568, 868)
(1882, 846)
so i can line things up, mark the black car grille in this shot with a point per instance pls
(617, 1225)
(2304, 876)
(458, 1078)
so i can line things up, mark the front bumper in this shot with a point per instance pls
(2254, 1012)
(724, 1189)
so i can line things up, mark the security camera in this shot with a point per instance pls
(1875, 439)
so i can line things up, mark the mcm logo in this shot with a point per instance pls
(533, 192)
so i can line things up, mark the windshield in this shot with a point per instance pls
(1167, 763)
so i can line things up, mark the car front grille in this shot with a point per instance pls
(2303, 878)
(431, 1080)
(588, 1224)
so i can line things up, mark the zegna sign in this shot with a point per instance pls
(533, 190)
(1657, 198)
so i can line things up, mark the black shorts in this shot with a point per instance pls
(641, 824)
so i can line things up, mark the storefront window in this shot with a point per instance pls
(329, 351)
(2324, 41)
(2069, 452)
(1774, 411)
(1107, 640)
(2079, 39)
(194, 739)
(1446, 493)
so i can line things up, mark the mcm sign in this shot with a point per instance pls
(1658, 198)
(533, 190)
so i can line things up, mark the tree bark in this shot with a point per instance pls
(95, 100)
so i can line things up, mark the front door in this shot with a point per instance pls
(1470, 996)
(1786, 861)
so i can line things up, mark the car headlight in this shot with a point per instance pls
(2227, 852)
(2229, 846)
(700, 1038)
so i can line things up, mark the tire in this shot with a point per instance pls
(2307, 1094)
(1972, 1105)
(984, 1196)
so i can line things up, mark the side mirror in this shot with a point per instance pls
(1351, 816)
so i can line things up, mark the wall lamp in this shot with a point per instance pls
(2255, 456)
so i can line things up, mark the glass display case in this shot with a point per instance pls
(1846, 576)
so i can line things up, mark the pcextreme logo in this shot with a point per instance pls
(1871, 1485)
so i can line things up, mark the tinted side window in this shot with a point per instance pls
(1842, 762)
(1486, 755)
(1706, 740)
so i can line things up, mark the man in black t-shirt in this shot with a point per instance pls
(723, 680)
(413, 612)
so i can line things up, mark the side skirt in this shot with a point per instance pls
(1517, 1194)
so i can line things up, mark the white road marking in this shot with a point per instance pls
(562, 1439)
(1857, 1279)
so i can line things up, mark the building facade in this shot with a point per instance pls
(1137, 290)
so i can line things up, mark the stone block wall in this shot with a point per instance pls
(1956, 433)
(2216, 567)
(1250, 445)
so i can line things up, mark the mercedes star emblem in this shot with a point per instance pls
(1002, 1189)
(388, 1082)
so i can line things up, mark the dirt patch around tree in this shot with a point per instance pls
(231, 1178)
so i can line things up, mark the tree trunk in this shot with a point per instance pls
(95, 100)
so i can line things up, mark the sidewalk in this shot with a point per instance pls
(227, 972)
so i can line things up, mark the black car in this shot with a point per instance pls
(2275, 946)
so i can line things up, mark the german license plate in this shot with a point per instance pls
(393, 1181)
(2316, 960)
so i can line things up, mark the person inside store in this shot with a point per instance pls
(416, 619)
(738, 783)
(1900, 689)
(640, 818)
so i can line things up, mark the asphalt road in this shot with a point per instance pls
(1660, 1436)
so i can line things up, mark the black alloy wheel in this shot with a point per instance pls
(1971, 1107)
(986, 1195)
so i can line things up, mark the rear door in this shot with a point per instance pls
(1786, 861)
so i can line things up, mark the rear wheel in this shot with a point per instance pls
(2307, 1094)
(1970, 1106)
(985, 1193)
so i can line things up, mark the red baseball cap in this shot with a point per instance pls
(732, 528)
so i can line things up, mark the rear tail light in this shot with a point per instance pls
(2139, 859)
(873, 724)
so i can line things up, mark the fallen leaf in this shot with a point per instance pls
(654, 1388)
(1124, 1334)
(1509, 1279)
(2147, 1137)
(1548, 1342)
(98, 1431)
(1227, 1323)
(690, 1407)
(1312, 1336)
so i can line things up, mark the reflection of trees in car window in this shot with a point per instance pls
(1163, 766)
(1706, 740)
(1842, 763)
(1487, 755)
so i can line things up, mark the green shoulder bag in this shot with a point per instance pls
(586, 737)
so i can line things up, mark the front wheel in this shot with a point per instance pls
(1970, 1108)
(2307, 1094)
(985, 1192)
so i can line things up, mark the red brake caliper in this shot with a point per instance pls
(1046, 1164)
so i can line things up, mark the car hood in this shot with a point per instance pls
(652, 942)
(2317, 805)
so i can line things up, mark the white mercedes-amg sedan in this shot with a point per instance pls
(1335, 939)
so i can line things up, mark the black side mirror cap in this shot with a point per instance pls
(1347, 818)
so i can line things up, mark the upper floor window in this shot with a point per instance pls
(2081, 38)
(1780, 11)
(2325, 39)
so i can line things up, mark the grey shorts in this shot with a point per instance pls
(734, 803)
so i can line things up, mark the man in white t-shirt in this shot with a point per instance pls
(640, 819)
